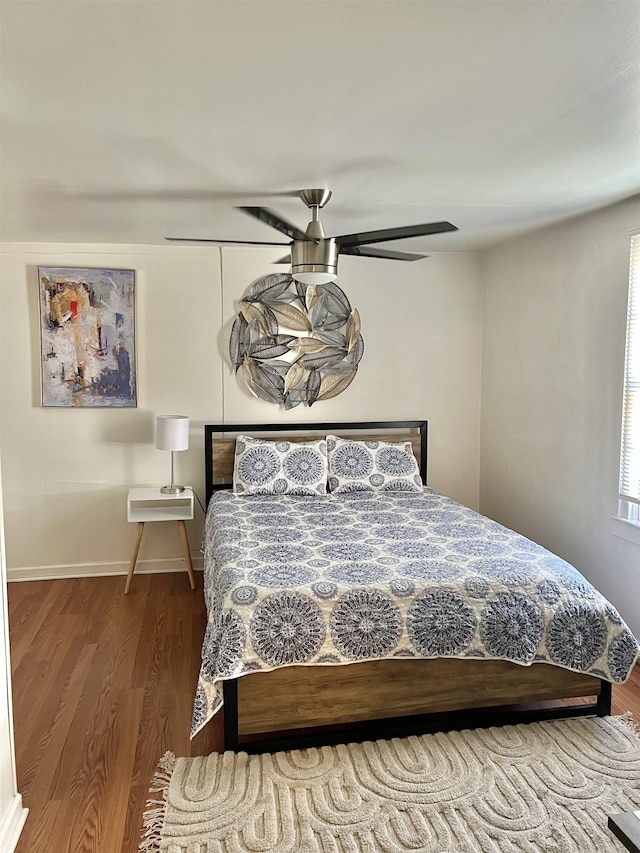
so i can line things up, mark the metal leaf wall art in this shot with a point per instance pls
(295, 343)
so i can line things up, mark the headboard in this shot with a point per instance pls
(220, 441)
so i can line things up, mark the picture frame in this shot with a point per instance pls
(87, 337)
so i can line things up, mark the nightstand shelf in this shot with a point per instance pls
(149, 504)
(152, 505)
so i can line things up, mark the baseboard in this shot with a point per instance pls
(90, 570)
(11, 825)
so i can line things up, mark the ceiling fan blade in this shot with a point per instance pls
(394, 234)
(285, 260)
(370, 252)
(224, 242)
(275, 221)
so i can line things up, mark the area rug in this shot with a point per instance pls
(537, 788)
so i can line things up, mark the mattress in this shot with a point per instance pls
(323, 581)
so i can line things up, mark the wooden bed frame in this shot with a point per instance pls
(301, 706)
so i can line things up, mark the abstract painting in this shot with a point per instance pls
(87, 328)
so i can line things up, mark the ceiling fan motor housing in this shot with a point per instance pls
(312, 256)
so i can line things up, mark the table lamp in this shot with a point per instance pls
(172, 433)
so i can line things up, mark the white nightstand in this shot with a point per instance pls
(150, 504)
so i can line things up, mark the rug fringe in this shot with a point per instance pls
(154, 814)
(629, 721)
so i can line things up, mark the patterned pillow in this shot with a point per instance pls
(372, 466)
(279, 467)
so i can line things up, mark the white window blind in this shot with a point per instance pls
(630, 451)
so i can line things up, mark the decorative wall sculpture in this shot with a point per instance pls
(87, 329)
(295, 343)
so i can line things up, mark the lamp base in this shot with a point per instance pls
(171, 490)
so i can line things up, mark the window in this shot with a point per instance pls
(629, 500)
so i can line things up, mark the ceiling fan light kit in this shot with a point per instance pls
(314, 256)
(314, 263)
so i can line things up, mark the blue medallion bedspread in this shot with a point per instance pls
(352, 577)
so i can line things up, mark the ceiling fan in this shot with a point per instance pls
(314, 256)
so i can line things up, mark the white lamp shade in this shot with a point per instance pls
(172, 432)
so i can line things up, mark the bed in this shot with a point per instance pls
(404, 611)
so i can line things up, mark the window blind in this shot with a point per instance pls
(630, 451)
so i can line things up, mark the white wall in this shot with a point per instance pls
(67, 472)
(553, 357)
(421, 324)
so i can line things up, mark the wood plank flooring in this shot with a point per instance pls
(103, 685)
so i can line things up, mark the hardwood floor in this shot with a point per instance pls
(103, 685)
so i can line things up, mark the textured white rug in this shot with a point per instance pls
(537, 788)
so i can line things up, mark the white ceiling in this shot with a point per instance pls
(127, 121)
